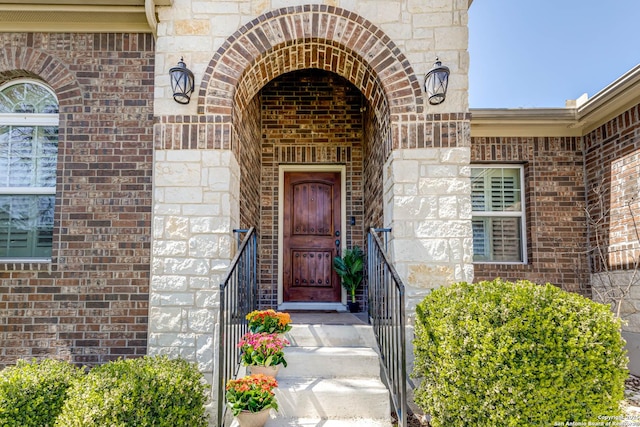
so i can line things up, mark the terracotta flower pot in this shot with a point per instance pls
(253, 419)
(270, 371)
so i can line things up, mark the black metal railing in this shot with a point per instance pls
(387, 313)
(238, 297)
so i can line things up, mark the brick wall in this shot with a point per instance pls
(248, 134)
(89, 304)
(612, 165)
(555, 202)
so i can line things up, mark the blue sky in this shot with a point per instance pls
(539, 53)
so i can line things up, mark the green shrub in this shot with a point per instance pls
(32, 393)
(503, 354)
(149, 391)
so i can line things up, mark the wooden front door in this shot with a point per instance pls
(312, 236)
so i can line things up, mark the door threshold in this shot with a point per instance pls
(312, 306)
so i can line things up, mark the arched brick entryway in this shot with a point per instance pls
(210, 166)
(311, 36)
(326, 42)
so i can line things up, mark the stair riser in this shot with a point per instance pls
(330, 364)
(350, 422)
(372, 404)
(332, 335)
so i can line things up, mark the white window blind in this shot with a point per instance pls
(498, 214)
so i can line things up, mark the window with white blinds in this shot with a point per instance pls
(28, 159)
(497, 214)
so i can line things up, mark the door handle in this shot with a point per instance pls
(337, 243)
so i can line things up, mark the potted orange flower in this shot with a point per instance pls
(251, 398)
(269, 321)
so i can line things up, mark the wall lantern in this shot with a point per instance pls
(435, 83)
(181, 82)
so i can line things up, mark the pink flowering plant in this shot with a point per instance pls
(262, 349)
(252, 393)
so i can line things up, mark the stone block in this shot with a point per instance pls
(404, 171)
(191, 27)
(165, 319)
(458, 156)
(201, 320)
(175, 340)
(175, 299)
(181, 195)
(437, 186)
(433, 19)
(202, 283)
(172, 174)
(204, 246)
(441, 171)
(442, 229)
(162, 283)
(176, 228)
(448, 207)
(451, 38)
(170, 248)
(188, 266)
(409, 207)
(207, 299)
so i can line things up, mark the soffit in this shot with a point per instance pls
(76, 15)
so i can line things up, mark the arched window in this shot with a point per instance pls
(28, 157)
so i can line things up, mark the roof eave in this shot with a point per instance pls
(73, 18)
(524, 122)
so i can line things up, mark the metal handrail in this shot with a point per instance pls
(238, 297)
(387, 313)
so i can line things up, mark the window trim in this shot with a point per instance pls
(29, 119)
(522, 213)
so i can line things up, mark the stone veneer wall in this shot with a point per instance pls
(554, 203)
(418, 30)
(195, 210)
(89, 303)
(427, 194)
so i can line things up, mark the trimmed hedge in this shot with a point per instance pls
(149, 391)
(517, 354)
(32, 393)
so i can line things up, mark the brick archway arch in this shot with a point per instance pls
(32, 63)
(310, 36)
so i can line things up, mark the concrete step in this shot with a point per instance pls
(321, 422)
(277, 421)
(330, 362)
(333, 398)
(320, 335)
(332, 379)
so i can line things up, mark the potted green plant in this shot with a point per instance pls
(350, 268)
